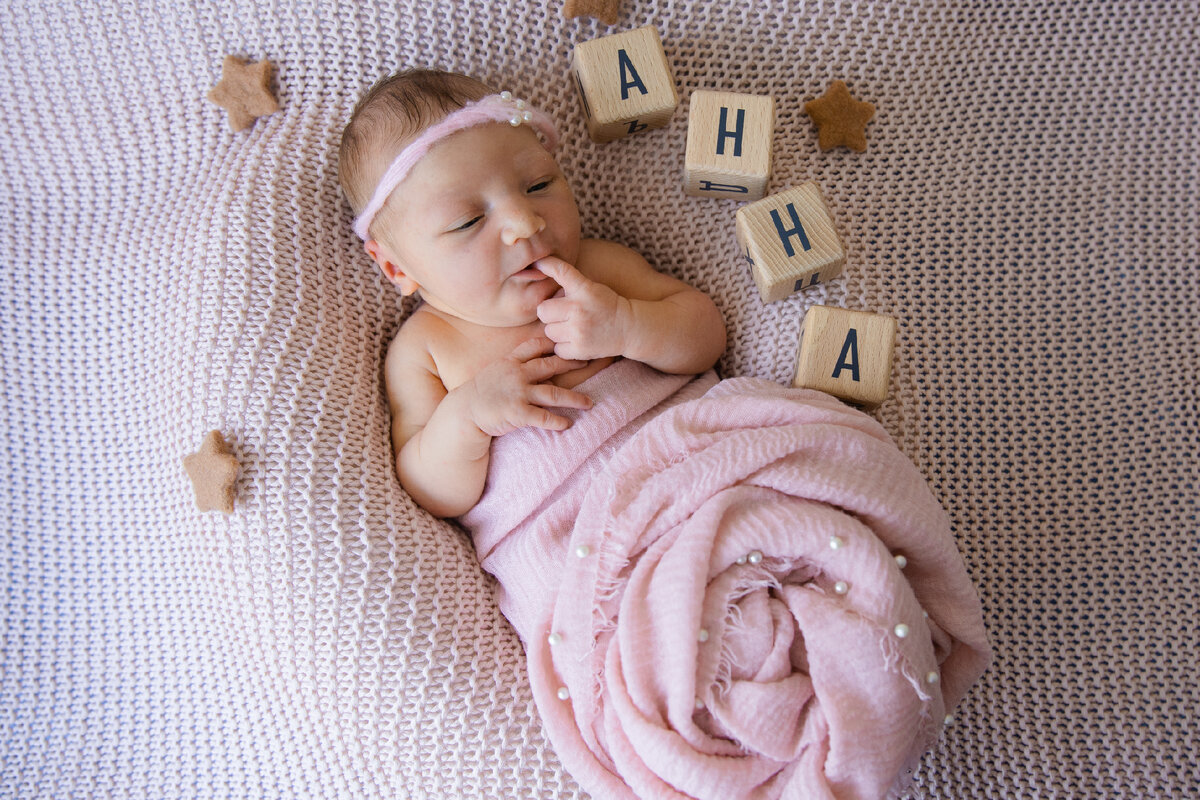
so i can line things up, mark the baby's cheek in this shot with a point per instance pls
(569, 235)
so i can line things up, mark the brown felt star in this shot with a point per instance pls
(212, 469)
(603, 10)
(244, 91)
(840, 119)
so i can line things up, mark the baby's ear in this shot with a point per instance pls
(391, 270)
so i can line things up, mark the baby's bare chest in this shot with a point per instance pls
(462, 357)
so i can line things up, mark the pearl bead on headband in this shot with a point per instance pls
(493, 108)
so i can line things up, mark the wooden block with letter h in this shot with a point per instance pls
(847, 354)
(790, 241)
(729, 145)
(625, 83)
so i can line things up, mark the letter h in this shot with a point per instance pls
(785, 235)
(724, 133)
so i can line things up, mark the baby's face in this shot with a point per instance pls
(473, 215)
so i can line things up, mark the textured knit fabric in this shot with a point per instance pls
(719, 607)
(1027, 208)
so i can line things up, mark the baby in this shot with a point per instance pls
(670, 563)
(458, 199)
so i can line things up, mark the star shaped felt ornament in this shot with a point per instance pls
(244, 91)
(212, 469)
(840, 119)
(603, 10)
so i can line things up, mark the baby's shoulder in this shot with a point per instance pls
(623, 270)
(412, 348)
(597, 253)
(610, 263)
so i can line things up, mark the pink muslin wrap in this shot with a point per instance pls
(718, 565)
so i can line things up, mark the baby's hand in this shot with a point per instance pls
(511, 393)
(586, 319)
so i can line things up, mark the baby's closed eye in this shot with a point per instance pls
(468, 224)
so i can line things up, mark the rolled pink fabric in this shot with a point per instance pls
(728, 590)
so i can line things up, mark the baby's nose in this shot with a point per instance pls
(521, 223)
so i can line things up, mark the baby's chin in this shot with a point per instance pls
(522, 304)
(537, 285)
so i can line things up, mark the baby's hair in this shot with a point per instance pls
(391, 113)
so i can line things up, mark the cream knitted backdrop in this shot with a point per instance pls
(1027, 209)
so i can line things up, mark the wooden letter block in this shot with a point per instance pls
(729, 145)
(625, 83)
(790, 241)
(847, 354)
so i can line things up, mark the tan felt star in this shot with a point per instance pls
(840, 119)
(244, 91)
(212, 469)
(603, 10)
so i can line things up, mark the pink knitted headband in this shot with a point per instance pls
(493, 108)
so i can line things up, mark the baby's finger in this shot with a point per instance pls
(541, 418)
(556, 331)
(547, 394)
(541, 369)
(570, 351)
(562, 273)
(556, 309)
(532, 348)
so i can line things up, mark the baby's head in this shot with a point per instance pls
(391, 114)
(455, 195)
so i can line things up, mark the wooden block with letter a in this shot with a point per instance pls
(625, 83)
(728, 145)
(847, 354)
(790, 241)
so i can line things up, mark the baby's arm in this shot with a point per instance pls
(616, 304)
(442, 438)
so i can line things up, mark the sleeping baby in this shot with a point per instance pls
(725, 588)
(459, 200)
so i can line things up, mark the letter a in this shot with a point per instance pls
(629, 76)
(849, 356)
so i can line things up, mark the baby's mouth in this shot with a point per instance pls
(531, 271)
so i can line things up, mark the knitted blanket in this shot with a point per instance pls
(750, 593)
(1027, 208)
